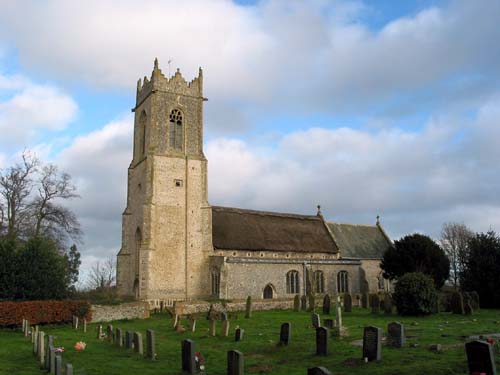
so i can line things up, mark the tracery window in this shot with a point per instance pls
(215, 282)
(319, 282)
(175, 134)
(292, 282)
(342, 282)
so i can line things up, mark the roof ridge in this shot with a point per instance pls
(354, 225)
(266, 213)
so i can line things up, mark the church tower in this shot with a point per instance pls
(166, 226)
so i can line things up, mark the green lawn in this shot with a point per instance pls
(259, 346)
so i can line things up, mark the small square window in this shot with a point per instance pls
(178, 183)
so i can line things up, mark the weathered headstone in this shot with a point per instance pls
(27, 329)
(296, 303)
(238, 334)
(321, 341)
(316, 320)
(35, 342)
(150, 344)
(235, 365)
(68, 369)
(192, 324)
(41, 348)
(129, 339)
(347, 302)
(338, 316)
(119, 337)
(364, 301)
(480, 358)
(99, 331)
(326, 304)
(388, 304)
(138, 343)
(285, 333)
(188, 356)
(223, 315)
(457, 303)
(311, 302)
(372, 343)
(49, 344)
(162, 305)
(58, 364)
(248, 308)
(212, 327)
(303, 303)
(468, 308)
(84, 330)
(395, 335)
(328, 323)
(109, 333)
(375, 303)
(318, 371)
(225, 328)
(52, 360)
(77, 322)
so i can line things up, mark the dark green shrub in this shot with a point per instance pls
(414, 294)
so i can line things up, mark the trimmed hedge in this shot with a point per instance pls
(42, 312)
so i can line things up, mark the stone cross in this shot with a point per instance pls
(238, 334)
(188, 356)
(138, 343)
(347, 302)
(318, 371)
(285, 333)
(150, 344)
(321, 341)
(316, 321)
(480, 358)
(395, 335)
(225, 328)
(69, 369)
(372, 343)
(119, 337)
(235, 365)
(212, 327)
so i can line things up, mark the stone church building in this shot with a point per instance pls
(176, 246)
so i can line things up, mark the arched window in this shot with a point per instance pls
(268, 292)
(319, 282)
(215, 282)
(142, 126)
(292, 282)
(175, 130)
(342, 282)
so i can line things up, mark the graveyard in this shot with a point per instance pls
(433, 344)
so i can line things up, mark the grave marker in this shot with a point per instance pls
(129, 340)
(41, 348)
(303, 303)
(238, 334)
(318, 371)
(329, 323)
(52, 360)
(235, 365)
(192, 324)
(99, 331)
(480, 358)
(364, 301)
(188, 356)
(347, 302)
(69, 369)
(388, 304)
(321, 341)
(285, 333)
(150, 344)
(119, 337)
(138, 343)
(109, 333)
(372, 343)
(58, 364)
(225, 328)
(316, 320)
(326, 304)
(395, 335)
(212, 327)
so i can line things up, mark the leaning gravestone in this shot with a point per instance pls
(316, 320)
(192, 324)
(128, 340)
(150, 344)
(480, 358)
(235, 364)
(395, 335)
(119, 337)
(138, 343)
(238, 334)
(372, 343)
(326, 304)
(188, 356)
(303, 303)
(318, 371)
(347, 302)
(321, 341)
(285, 333)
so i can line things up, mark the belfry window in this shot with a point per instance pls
(175, 131)
(215, 282)
(319, 282)
(342, 282)
(292, 282)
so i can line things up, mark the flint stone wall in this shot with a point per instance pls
(107, 313)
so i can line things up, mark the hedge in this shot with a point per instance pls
(42, 312)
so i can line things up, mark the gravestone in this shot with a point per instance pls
(395, 335)
(238, 334)
(329, 323)
(372, 343)
(364, 301)
(326, 304)
(188, 356)
(225, 328)
(69, 369)
(338, 316)
(176, 319)
(59, 364)
(35, 342)
(109, 333)
(41, 348)
(480, 358)
(318, 371)
(347, 302)
(128, 340)
(375, 303)
(77, 321)
(49, 344)
(388, 304)
(150, 344)
(223, 316)
(99, 331)
(27, 329)
(138, 343)
(212, 328)
(296, 303)
(84, 329)
(52, 360)
(235, 365)
(192, 324)
(303, 303)
(316, 320)
(311, 302)
(23, 324)
(119, 337)
(285, 333)
(321, 341)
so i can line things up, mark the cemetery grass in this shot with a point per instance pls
(259, 345)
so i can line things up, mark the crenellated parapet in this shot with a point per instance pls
(175, 84)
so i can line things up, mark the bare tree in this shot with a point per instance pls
(102, 275)
(454, 241)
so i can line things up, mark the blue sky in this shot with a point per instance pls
(366, 107)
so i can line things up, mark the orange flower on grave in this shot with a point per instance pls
(80, 345)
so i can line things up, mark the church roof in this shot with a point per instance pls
(360, 241)
(240, 229)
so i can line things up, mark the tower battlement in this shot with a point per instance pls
(175, 84)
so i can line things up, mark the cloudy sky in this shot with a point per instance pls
(365, 107)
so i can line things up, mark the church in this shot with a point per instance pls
(176, 246)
